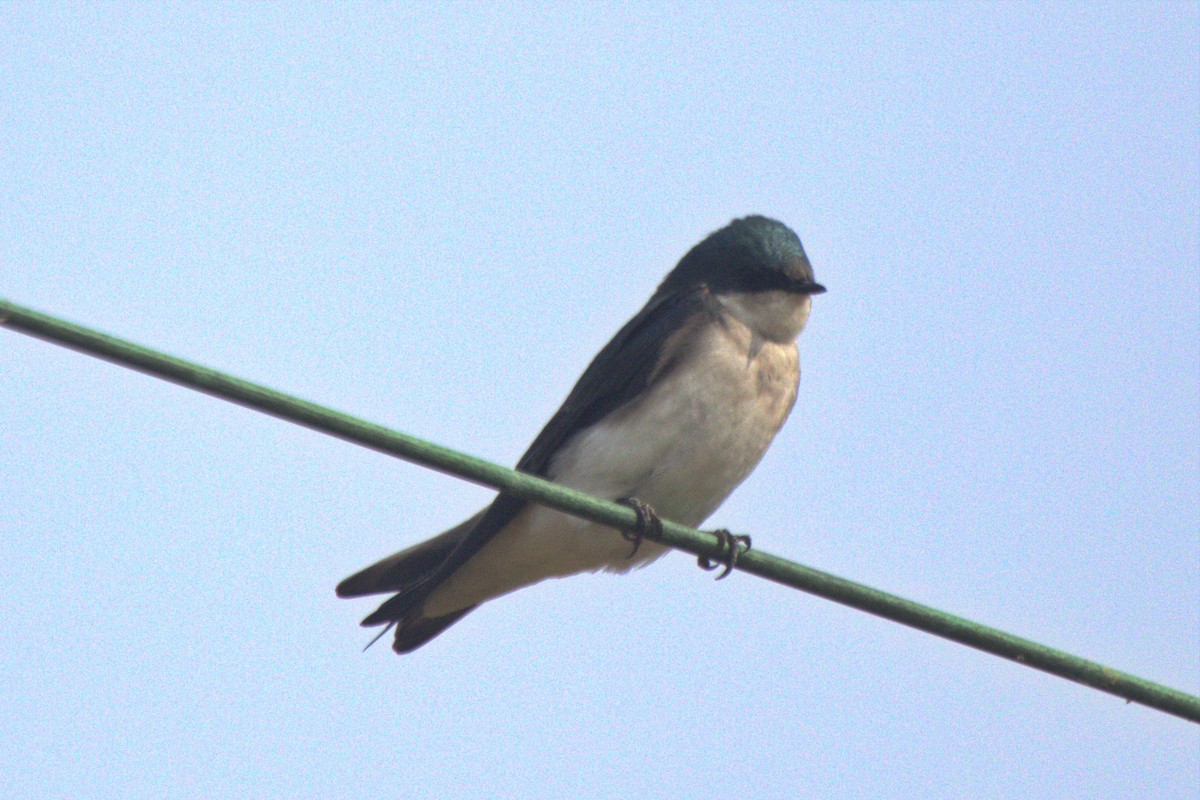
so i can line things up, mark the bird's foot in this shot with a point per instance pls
(732, 548)
(649, 526)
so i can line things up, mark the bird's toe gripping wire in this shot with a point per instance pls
(732, 547)
(649, 526)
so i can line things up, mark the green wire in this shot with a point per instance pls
(528, 487)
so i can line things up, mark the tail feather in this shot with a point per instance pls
(412, 633)
(401, 573)
(405, 569)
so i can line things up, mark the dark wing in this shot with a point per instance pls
(636, 357)
(640, 354)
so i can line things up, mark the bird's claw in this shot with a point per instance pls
(648, 524)
(732, 547)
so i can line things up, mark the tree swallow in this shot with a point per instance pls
(675, 411)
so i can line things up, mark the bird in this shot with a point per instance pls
(670, 417)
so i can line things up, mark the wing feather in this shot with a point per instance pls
(628, 365)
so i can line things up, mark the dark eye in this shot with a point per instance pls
(766, 280)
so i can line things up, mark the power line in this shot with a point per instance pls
(529, 487)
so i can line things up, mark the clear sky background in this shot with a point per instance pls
(432, 216)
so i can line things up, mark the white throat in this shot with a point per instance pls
(776, 315)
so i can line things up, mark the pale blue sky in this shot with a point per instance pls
(432, 216)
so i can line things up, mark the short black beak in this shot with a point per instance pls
(810, 288)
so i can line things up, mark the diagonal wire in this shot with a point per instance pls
(529, 487)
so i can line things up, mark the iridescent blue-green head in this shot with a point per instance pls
(751, 254)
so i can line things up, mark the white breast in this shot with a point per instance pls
(683, 448)
(701, 430)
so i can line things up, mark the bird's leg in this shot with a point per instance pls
(734, 545)
(648, 524)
